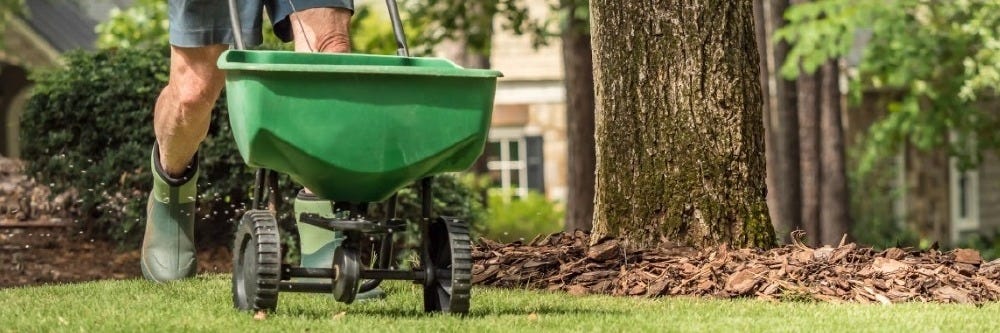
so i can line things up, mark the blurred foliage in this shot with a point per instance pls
(873, 198)
(144, 24)
(371, 31)
(939, 57)
(578, 10)
(523, 218)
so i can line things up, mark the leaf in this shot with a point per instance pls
(260, 315)
(886, 266)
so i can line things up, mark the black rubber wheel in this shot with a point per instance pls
(450, 254)
(348, 272)
(256, 262)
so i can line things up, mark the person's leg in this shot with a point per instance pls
(322, 30)
(199, 33)
(183, 110)
(180, 120)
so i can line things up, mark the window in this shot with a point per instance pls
(964, 193)
(514, 161)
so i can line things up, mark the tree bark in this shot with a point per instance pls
(785, 122)
(835, 218)
(679, 133)
(809, 146)
(579, 82)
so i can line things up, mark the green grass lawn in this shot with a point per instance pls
(204, 304)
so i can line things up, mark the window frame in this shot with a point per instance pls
(506, 136)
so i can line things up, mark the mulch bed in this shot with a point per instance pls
(846, 273)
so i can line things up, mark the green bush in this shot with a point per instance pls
(521, 218)
(88, 126)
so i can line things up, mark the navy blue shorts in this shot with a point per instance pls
(206, 22)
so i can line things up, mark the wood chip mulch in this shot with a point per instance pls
(846, 273)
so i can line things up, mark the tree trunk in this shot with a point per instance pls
(784, 122)
(579, 83)
(679, 134)
(809, 144)
(928, 206)
(835, 214)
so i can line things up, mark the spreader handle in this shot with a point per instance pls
(397, 29)
(234, 19)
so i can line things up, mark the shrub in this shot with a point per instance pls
(521, 218)
(89, 127)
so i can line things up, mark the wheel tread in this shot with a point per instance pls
(264, 234)
(461, 265)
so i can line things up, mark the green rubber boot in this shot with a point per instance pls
(168, 251)
(317, 244)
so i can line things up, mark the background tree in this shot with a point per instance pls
(679, 133)
(804, 141)
(834, 218)
(781, 122)
(579, 81)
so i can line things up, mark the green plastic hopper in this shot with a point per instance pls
(354, 127)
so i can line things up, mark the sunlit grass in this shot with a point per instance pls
(204, 304)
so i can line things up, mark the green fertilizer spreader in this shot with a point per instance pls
(354, 129)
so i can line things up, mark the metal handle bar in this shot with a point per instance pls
(397, 27)
(234, 20)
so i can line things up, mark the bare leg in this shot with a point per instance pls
(321, 30)
(183, 110)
